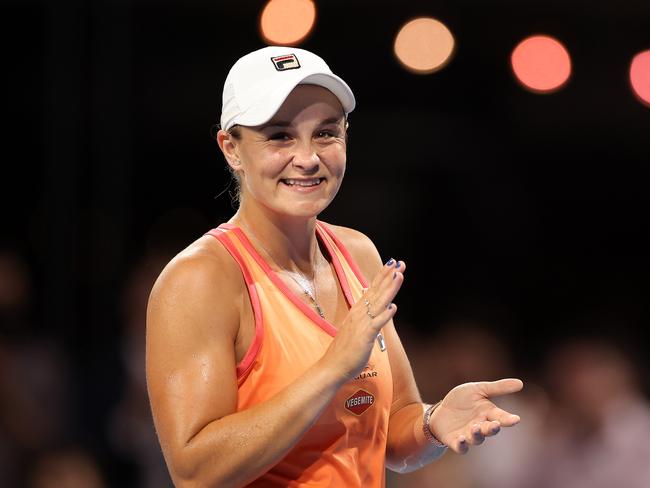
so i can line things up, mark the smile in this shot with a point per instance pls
(306, 183)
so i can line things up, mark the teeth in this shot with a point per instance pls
(292, 182)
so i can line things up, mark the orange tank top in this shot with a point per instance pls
(346, 446)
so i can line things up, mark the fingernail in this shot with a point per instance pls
(394, 275)
(390, 262)
(390, 306)
(398, 264)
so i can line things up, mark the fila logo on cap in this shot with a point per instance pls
(285, 62)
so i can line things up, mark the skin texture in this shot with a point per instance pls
(200, 322)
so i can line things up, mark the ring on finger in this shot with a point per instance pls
(367, 304)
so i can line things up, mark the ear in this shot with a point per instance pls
(228, 145)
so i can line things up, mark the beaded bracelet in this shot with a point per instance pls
(425, 426)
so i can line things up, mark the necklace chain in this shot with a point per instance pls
(305, 284)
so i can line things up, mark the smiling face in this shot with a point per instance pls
(294, 164)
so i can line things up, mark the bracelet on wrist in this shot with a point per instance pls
(425, 426)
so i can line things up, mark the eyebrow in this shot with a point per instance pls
(286, 123)
(333, 120)
(277, 123)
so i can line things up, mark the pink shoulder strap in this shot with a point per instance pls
(221, 234)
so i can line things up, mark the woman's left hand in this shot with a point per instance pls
(466, 416)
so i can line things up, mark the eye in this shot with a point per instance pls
(326, 134)
(279, 136)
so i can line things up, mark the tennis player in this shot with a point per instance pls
(272, 358)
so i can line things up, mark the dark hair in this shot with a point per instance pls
(235, 196)
(235, 132)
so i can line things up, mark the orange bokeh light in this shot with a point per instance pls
(541, 63)
(424, 45)
(640, 76)
(287, 22)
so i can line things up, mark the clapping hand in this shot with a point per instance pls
(466, 416)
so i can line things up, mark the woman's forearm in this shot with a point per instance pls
(408, 448)
(240, 447)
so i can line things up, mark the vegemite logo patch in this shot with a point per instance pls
(285, 62)
(360, 402)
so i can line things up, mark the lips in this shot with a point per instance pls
(302, 182)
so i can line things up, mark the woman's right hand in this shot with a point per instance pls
(350, 350)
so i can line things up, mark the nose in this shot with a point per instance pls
(305, 157)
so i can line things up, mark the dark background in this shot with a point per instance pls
(525, 212)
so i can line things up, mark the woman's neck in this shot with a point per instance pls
(291, 242)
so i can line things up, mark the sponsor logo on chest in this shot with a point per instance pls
(360, 402)
(367, 373)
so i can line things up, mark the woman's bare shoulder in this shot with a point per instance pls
(201, 280)
(203, 262)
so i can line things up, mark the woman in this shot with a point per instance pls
(272, 359)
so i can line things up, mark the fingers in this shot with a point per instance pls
(385, 286)
(390, 277)
(357, 335)
(384, 316)
(477, 435)
(500, 387)
(502, 417)
(482, 430)
(493, 420)
(488, 419)
(461, 446)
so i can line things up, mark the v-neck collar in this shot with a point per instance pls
(323, 323)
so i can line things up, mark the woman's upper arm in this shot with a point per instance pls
(192, 323)
(365, 253)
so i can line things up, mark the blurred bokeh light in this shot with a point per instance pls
(541, 63)
(424, 45)
(287, 22)
(640, 76)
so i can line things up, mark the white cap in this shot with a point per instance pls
(259, 82)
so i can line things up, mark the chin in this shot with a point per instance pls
(305, 210)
